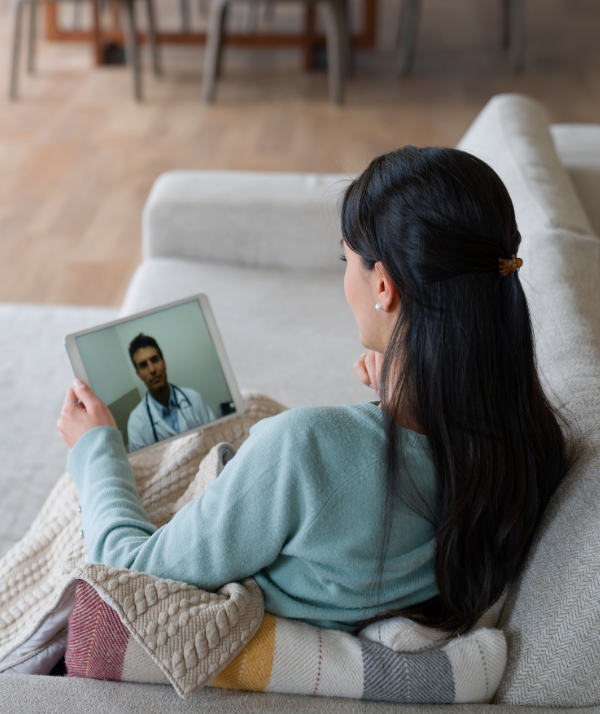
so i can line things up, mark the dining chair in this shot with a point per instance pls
(513, 12)
(184, 6)
(338, 47)
(186, 24)
(132, 46)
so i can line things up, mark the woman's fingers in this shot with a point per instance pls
(368, 368)
(371, 368)
(71, 401)
(100, 414)
(82, 411)
(373, 362)
(361, 370)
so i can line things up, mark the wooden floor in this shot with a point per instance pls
(78, 157)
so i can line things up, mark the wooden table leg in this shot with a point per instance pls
(97, 33)
(310, 17)
(369, 25)
(115, 12)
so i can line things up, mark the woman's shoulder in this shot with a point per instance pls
(341, 438)
(318, 447)
(362, 420)
(345, 438)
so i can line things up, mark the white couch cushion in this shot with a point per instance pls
(512, 135)
(578, 147)
(260, 219)
(288, 334)
(34, 379)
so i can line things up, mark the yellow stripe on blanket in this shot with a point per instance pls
(251, 669)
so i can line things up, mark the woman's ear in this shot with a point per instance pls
(387, 294)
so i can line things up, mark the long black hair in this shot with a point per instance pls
(461, 364)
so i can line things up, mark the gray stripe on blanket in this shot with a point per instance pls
(415, 678)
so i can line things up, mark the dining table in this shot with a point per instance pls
(106, 32)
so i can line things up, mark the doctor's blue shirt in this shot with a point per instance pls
(169, 413)
(185, 410)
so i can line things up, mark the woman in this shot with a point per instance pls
(424, 505)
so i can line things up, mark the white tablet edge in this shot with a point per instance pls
(240, 407)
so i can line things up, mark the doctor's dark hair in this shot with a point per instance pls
(140, 341)
(461, 364)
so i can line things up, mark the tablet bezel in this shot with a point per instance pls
(213, 331)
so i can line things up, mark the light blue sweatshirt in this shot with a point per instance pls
(299, 508)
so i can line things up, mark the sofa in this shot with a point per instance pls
(265, 249)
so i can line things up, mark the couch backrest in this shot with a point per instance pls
(257, 219)
(552, 617)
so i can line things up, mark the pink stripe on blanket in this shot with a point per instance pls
(97, 638)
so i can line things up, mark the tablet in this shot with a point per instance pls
(162, 373)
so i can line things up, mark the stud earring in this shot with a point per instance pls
(379, 306)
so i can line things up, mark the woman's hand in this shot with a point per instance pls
(368, 368)
(81, 412)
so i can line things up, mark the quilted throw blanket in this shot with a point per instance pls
(132, 626)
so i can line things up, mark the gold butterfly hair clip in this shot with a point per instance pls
(509, 265)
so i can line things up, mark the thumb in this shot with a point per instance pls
(83, 393)
(70, 400)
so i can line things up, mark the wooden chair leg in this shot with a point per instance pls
(212, 53)
(77, 15)
(153, 38)
(269, 12)
(506, 24)
(133, 54)
(16, 51)
(97, 32)
(349, 66)
(31, 49)
(335, 50)
(222, 40)
(407, 36)
(252, 22)
(517, 36)
(184, 6)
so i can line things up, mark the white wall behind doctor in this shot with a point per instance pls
(188, 351)
(109, 374)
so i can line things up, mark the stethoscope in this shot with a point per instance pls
(175, 390)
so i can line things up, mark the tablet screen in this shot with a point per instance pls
(159, 374)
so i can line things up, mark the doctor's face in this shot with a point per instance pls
(151, 368)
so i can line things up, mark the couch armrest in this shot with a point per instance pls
(259, 219)
(512, 135)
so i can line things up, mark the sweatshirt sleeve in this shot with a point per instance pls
(238, 526)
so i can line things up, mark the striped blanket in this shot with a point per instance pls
(193, 639)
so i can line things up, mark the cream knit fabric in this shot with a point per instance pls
(40, 569)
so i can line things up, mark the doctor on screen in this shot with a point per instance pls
(165, 410)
